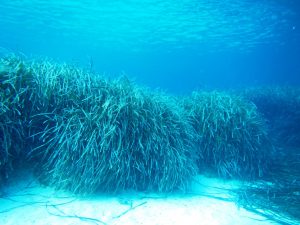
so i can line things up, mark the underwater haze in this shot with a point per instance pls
(178, 45)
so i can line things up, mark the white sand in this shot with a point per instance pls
(27, 202)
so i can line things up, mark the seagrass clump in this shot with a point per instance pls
(118, 137)
(232, 140)
(88, 134)
(14, 81)
(128, 138)
(280, 105)
(278, 196)
(57, 88)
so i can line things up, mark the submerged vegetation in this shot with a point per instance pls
(85, 133)
(281, 107)
(232, 139)
(123, 138)
(89, 134)
(13, 94)
(277, 196)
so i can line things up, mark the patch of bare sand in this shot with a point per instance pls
(209, 203)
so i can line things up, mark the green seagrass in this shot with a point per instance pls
(232, 139)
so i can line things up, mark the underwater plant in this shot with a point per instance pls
(280, 105)
(120, 137)
(88, 134)
(232, 139)
(13, 92)
(277, 197)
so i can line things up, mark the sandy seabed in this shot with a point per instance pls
(25, 201)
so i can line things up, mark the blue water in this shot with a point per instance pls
(176, 45)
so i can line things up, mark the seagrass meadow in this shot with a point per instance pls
(278, 193)
(144, 112)
(88, 134)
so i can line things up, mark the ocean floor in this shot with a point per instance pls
(25, 201)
